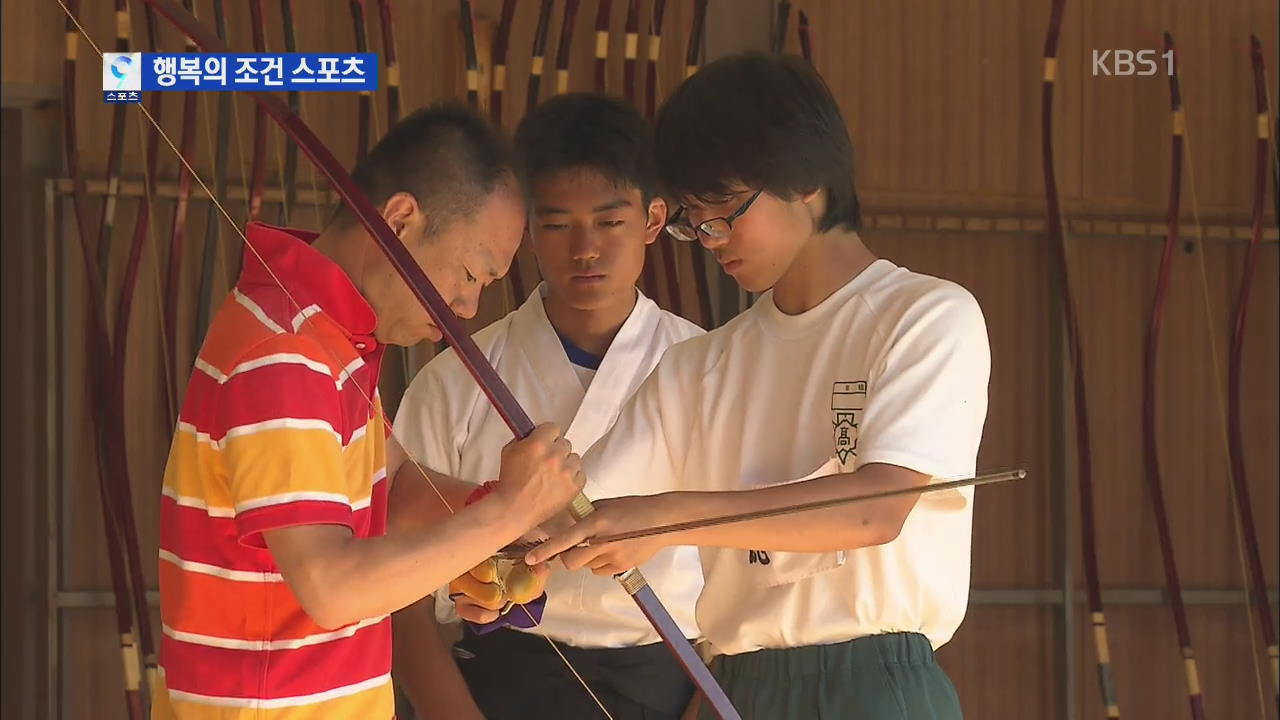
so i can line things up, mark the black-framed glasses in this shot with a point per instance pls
(681, 229)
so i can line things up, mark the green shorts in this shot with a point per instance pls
(880, 677)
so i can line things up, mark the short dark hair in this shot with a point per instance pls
(766, 121)
(446, 155)
(579, 131)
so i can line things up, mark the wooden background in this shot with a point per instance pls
(942, 100)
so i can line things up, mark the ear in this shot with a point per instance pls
(815, 204)
(657, 219)
(402, 212)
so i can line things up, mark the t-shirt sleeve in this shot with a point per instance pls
(927, 404)
(281, 434)
(644, 449)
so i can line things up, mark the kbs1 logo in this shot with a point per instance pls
(1131, 62)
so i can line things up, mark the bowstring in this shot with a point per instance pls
(581, 681)
(307, 319)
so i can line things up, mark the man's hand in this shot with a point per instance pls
(539, 475)
(612, 516)
(479, 596)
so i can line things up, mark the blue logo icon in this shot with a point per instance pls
(120, 67)
(122, 71)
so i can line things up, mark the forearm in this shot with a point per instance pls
(420, 497)
(340, 579)
(842, 527)
(424, 666)
(363, 578)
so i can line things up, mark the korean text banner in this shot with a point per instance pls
(211, 72)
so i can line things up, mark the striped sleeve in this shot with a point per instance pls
(281, 433)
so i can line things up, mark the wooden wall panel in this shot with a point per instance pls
(943, 100)
(84, 560)
(943, 77)
(1005, 670)
(32, 57)
(92, 676)
(92, 683)
(1114, 282)
(23, 424)
(1233, 668)
(937, 97)
(1148, 671)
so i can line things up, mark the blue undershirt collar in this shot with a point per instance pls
(577, 355)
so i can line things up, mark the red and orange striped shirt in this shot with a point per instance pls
(281, 426)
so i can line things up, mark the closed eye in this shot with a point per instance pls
(470, 278)
(552, 227)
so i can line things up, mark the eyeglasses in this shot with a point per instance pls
(681, 229)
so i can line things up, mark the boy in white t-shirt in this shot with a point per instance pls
(850, 375)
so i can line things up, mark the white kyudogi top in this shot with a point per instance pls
(891, 368)
(446, 423)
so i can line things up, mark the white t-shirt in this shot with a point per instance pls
(447, 424)
(891, 368)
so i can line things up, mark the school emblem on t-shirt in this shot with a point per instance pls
(847, 399)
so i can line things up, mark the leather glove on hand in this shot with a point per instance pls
(488, 602)
(495, 594)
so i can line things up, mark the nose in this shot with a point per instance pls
(584, 244)
(712, 243)
(467, 304)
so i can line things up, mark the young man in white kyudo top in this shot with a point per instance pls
(574, 353)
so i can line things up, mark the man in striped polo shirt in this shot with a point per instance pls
(276, 575)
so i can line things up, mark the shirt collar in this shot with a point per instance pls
(307, 275)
